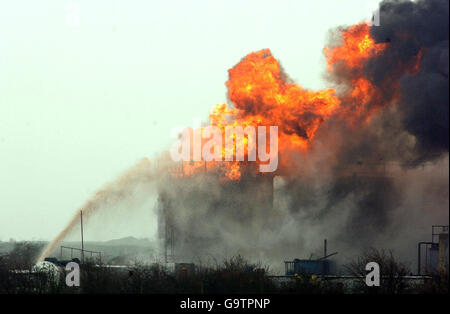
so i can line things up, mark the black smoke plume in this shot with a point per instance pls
(374, 186)
(410, 28)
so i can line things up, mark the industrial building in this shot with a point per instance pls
(433, 255)
(234, 204)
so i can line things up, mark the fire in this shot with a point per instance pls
(357, 47)
(261, 94)
(351, 57)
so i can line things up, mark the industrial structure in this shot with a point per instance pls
(234, 203)
(322, 266)
(433, 256)
(243, 205)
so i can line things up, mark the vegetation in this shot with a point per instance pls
(392, 271)
(232, 275)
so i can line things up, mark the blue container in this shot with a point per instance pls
(310, 267)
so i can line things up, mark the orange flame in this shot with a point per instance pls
(262, 94)
(357, 48)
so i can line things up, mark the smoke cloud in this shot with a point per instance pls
(375, 173)
(371, 180)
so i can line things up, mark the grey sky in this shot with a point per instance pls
(80, 104)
